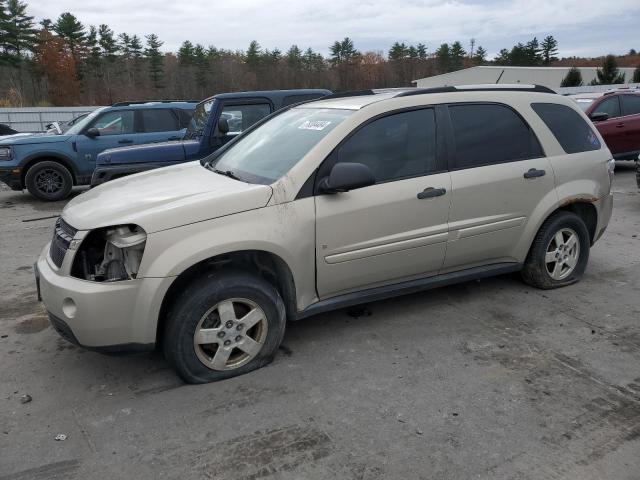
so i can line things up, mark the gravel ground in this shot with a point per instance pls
(485, 380)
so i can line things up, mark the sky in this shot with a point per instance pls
(582, 27)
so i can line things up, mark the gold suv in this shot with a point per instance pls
(328, 204)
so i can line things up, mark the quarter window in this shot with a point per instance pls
(241, 117)
(489, 133)
(569, 128)
(630, 104)
(610, 106)
(115, 123)
(159, 120)
(395, 146)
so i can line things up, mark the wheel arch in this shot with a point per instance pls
(48, 157)
(265, 264)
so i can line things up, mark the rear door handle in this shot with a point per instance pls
(174, 138)
(432, 192)
(125, 140)
(619, 125)
(534, 173)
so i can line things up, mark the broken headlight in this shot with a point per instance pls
(110, 254)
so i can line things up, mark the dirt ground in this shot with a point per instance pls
(484, 380)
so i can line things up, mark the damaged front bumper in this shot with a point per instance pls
(103, 316)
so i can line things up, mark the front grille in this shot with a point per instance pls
(62, 236)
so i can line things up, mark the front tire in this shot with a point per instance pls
(224, 324)
(559, 254)
(49, 181)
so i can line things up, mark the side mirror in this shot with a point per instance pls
(599, 116)
(347, 176)
(92, 133)
(223, 126)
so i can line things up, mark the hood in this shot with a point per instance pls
(164, 198)
(33, 138)
(152, 152)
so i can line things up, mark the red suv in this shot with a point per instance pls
(616, 115)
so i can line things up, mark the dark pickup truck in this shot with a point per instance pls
(216, 121)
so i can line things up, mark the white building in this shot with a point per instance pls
(548, 76)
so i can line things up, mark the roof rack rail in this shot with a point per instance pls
(351, 93)
(478, 88)
(140, 102)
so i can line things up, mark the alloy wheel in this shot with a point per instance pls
(230, 334)
(49, 181)
(562, 254)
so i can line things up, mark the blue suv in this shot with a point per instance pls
(49, 165)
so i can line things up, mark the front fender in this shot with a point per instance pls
(286, 230)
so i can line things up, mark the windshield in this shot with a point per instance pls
(268, 152)
(584, 103)
(78, 126)
(199, 119)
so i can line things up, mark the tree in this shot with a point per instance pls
(69, 28)
(572, 79)
(136, 56)
(108, 43)
(443, 58)
(457, 54)
(632, 52)
(155, 59)
(422, 51)
(253, 55)
(4, 18)
(532, 52)
(343, 52)
(186, 53)
(503, 58)
(609, 73)
(549, 50)
(53, 59)
(20, 34)
(398, 51)
(480, 57)
(636, 75)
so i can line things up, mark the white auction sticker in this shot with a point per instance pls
(316, 125)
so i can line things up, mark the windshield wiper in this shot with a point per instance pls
(227, 173)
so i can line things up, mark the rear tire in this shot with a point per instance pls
(559, 254)
(224, 324)
(49, 181)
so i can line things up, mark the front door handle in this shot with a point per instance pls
(432, 192)
(125, 140)
(619, 125)
(174, 138)
(534, 173)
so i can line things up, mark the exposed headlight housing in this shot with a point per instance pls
(110, 254)
(6, 153)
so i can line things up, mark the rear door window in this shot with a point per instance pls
(490, 133)
(117, 122)
(241, 117)
(610, 106)
(630, 104)
(569, 128)
(159, 120)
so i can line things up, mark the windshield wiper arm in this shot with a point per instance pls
(227, 173)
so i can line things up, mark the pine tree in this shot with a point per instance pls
(572, 79)
(253, 55)
(422, 51)
(443, 58)
(294, 57)
(532, 53)
(186, 54)
(108, 43)
(156, 62)
(503, 58)
(201, 62)
(609, 73)
(480, 56)
(457, 54)
(343, 52)
(69, 28)
(4, 17)
(636, 75)
(136, 56)
(549, 50)
(20, 34)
